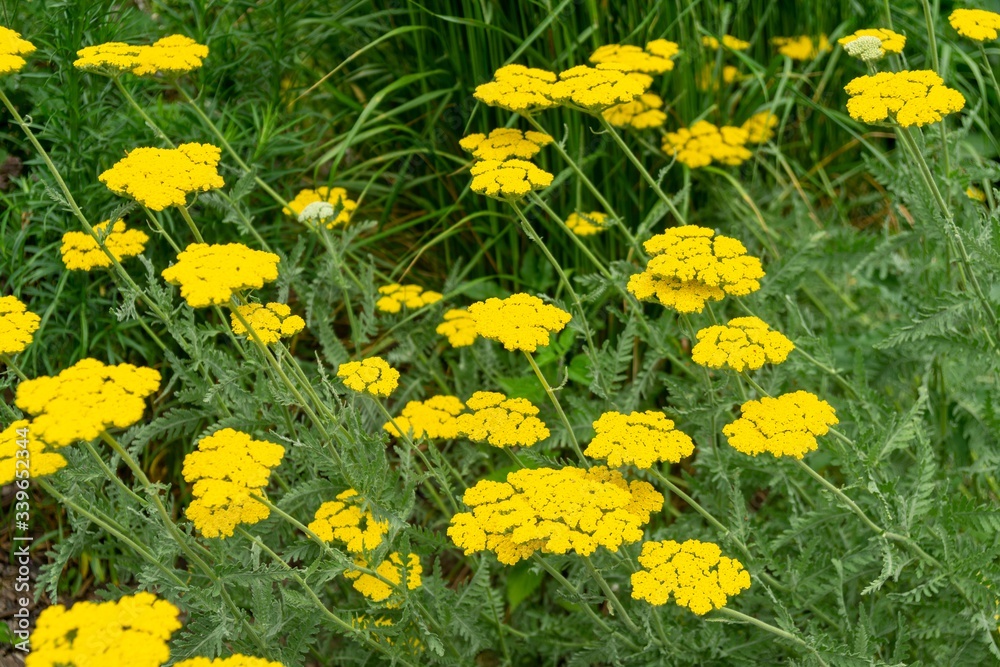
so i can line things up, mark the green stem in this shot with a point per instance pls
(931, 38)
(610, 594)
(110, 474)
(738, 616)
(598, 264)
(12, 366)
(555, 402)
(190, 223)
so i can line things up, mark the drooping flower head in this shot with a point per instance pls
(134, 631)
(508, 179)
(17, 325)
(235, 660)
(911, 97)
(783, 426)
(501, 421)
(392, 570)
(596, 89)
(519, 89)
(18, 437)
(695, 573)
(520, 322)
(271, 323)
(227, 469)
(639, 438)
(372, 375)
(642, 113)
(889, 41)
(80, 251)
(459, 327)
(760, 127)
(587, 224)
(12, 47)
(339, 212)
(728, 41)
(704, 143)
(173, 56)
(395, 297)
(803, 47)
(505, 143)
(976, 24)
(348, 521)
(209, 274)
(745, 342)
(162, 177)
(656, 58)
(85, 399)
(554, 511)
(435, 418)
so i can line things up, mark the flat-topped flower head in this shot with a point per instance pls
(501, 421)
(520, 322)
(683, 296)
(587, 224)
(391, 571)
(803, 47)
(639, 438)
(519, 89)
(80, 251)
(110, 57)
(642, 113)
(728, 41)
(656, 58)
(783, 426)
(704, 143)
(348, 521)
(339, 212)
(227, 469)
(85, 399)
(12, 47)
(745, 342)
(889, 41)
(695, 573)
(976, 24)
(596, 89)
(505, 143)
(436, 418)
(173, 55)
(208, 275)
(161, 177)
(372, 375)
(235, 660)
(271, 323)
(555, 511)
(395, 297)
(459, 327)
(508, 179)
(134, 631)
(916, 97)
(41, 461)
(760, 127)
(17, 325)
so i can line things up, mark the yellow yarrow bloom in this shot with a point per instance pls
(596, 89)
(372, 375)
(638, 438)
(519, 89)
(508, 179)
(683, 296)
(80, 251)
(803, 47)
(12, 47)
(784, 426)
(208, 275)
(704, 143)
(227, 468)
(133, 631)
(391, 569)
(235, 660)
(975, 194)
(640, 114)
(760, 127)
(85, 399)
(172, 55)
(110, 57)
(911, 97)
(505, 143)
(728, 41)
(587, 224)
(435, 418)
(501, 421)
(554, 511)
(395, 297)
(308, 206)
(346, 520)
(271, 323)
(17, 325)
(696, 573)
(892, 42)
(459, 327)
(745, 342)
(40, 461)
(976, 24)
(161, 177)
(656, 58)
(520, 322)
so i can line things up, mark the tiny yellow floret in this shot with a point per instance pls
(372, 375)
(728, 41)
(520, 322)
(656, 58)
(391, 572)
(760, 127)
(596, 89)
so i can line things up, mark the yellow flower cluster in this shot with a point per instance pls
(728, 41)
(372, 375)
(235, 660)
(760, 127)
(784, 426)
(17, 325)
(975, 194)
(597, 89)
(505, 143)
(520, 322)
(803, 47)
(639, 438)
(553, 511)
(12, 47)
(745, 342)
(435, 418)
(691, 265)
(346, 520)
(80, 251)
(656, 58)
(519, 89)
(976, 24)
(227, 468)
(173, 55)
(501, 421)
(458, 327)
(508, 179)
(39, 459)
(704, 143)
(271, 323)
(892, 42)
(133, 631)
(209, 274)
(706, 81)
(642, 113)
(695, 573)
(587, 224)
(395, 297)
(322, 204)
(914, 97)
(392, 570)
(162, 177)
(85, 399)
